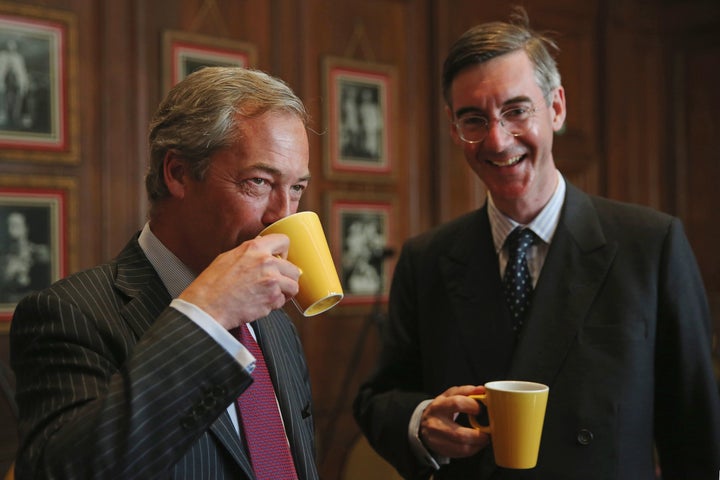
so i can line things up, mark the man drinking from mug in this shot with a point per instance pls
(175, 360)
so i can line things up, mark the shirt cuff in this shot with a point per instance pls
(226, 340)
(416, 444)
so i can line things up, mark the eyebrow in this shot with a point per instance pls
(510, 101)
(269, 169)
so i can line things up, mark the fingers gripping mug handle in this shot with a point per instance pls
(482, 398)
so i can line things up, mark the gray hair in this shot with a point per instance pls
(200, 116)
(489, 40)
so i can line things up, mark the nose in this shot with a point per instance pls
(497, 138)
(279, 206)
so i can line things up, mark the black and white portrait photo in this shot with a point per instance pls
(361, 121)
(25, 250)
(29, 85)
(193, 60)
(359, 118)
(185, 53)
(364, 240)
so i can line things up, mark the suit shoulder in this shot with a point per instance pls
(99, 273)
(84, 287)
(80, 287)
(631, 217)
(450, 231)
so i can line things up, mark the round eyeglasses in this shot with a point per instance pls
(473, 128)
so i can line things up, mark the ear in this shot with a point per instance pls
(453, 128)
(175, 174)
(558, 108)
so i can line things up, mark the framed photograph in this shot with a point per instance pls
(38, 110)
(361, 240)
(186, 52)
(37, 232)
(360, 99)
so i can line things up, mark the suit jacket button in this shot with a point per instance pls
(585, 437)
(209, 402)
(187, 423)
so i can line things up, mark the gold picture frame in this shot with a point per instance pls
(38, 118)
(362, 237)
(185, 52)
(38, 236)
(360, 110)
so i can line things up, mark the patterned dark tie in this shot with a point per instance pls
(517, 283)
(260, 420)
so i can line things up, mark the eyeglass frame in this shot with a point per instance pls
(499, 120)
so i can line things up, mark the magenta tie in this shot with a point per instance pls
(261, 422)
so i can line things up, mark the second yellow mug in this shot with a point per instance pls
(516, 410)
(320, 287)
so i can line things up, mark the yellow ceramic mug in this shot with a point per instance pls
(320, 287)
(516, 411)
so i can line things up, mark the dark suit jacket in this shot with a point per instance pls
(619, 329)
(112, 383)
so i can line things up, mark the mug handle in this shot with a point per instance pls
(482, 398)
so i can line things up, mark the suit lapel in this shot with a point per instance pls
(226, 434)
(148, 297)
(137, 279)
(471, 275)
(577, 263)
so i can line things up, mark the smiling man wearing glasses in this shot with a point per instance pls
(610, 311)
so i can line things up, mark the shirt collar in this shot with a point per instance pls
(175, 275)
(544, 224)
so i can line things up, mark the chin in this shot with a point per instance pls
(507, 190)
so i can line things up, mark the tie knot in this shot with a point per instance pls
(519, 241)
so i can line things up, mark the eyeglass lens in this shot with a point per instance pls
(474, 128)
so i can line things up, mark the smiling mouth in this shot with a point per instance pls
(507, 163)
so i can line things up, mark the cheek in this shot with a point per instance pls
(475, 161)
(245, 218)
(470, 151)
(236, 214)
(536, 139)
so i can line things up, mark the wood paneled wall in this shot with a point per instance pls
(641, 79)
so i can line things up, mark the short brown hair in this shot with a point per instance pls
(489, 40)
(199, 117)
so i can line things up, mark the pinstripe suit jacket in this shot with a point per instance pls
(112, 383)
